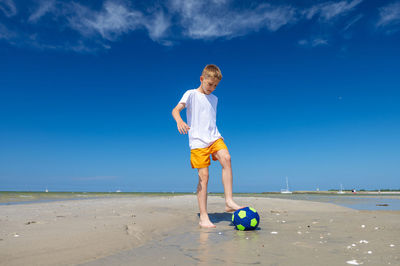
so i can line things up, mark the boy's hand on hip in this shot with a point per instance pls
(183, 127)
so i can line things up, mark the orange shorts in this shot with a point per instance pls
(200, 158)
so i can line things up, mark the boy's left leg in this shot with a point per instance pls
(224, 158)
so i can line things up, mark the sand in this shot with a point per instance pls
(164, 230)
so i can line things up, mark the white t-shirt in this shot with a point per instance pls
(201, 114)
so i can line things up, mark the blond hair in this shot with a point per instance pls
(212, 71)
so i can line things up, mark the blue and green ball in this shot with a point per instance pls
(245, 219)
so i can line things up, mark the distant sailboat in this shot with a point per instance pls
(286, 191)
(46, 190)
(341, 190)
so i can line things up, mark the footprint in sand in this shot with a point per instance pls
(134, 231)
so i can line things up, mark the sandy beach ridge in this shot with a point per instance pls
(122, 231)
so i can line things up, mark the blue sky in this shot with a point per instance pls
(310, 90)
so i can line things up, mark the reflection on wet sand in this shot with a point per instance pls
(204, 247)
(226, 246)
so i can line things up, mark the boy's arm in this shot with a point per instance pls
(182, 126)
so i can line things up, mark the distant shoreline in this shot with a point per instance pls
(188, 192)
(348, 192)
(19, 197)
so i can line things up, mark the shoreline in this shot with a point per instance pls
(20, 197)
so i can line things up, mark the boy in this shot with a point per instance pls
(205, 139)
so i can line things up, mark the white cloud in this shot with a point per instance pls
(196, 19)
(352, 22)
(45, 7)
(319, 42)
(327, 13)
(112, 21)
(330, 10)
(5, 33)
(116, 19)
(219, 2)
(79, 26)
(313, 42)
(95, 27)
(389, 15)
(204, 19)
(78, 46)
(8, 8)
(302, 42)
(157, 25)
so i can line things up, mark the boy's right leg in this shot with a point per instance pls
(224, 158)
(202, 198)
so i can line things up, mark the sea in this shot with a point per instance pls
(386, 202)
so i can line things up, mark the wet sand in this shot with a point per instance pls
(163, 230)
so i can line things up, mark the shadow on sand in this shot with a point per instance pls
(217, 217)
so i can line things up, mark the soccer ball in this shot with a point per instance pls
(245, 219)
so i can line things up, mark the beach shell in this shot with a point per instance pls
(353, 262)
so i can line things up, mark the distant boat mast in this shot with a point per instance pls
(286, 191)
(341, 190)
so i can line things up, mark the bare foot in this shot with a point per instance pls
(207, 224)
(232, 206)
